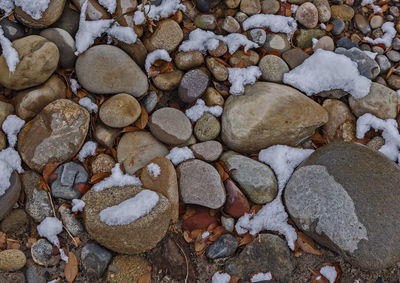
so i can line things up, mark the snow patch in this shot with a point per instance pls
(77, 205)
(34, 9)
(110, 5)
(261, 277)
(195, 112)
(179, 154)
(329, 272)
(220, 278)
(275, 23)
(88, 149)
(88, 104)
(74, 85)
(370, 54)
(7, 6)
(376, 8)
(11, 127)
(158, 54)
(49, 228)
(153, 169)
(387, 38)
(125, 34)
(117, 179)
(164, 10)
(239, 77)
(10, 54)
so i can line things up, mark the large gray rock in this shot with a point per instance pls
(269, 114)
(10, 196)
(366, 65)
(347, 198)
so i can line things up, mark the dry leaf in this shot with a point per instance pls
(83, 188)
(186, 236)
(216, 233)
(129, 129)
(306, 244)
(76, 242)
(71, 268)
(234, 279)
(247, 238)
(13, 244)
(142, 121)
(48, 170)
(145, 278)
(98, 177)
(317, 277)
(2, 239)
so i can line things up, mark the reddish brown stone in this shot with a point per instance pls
(236, 204)
(199, 220)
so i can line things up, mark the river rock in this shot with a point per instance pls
(168, 81)
(95, 259)
(68, 21)
(339, 114)
(120, 110)
(68, 178)
(34, 274)
(42, 253)
(193, 84)
(224, 246)
(105, 135)
(273, 68)
(366, 65)
(208, 151)
(125, 268)
(236, 204)
(12, 30)
(10, 196)
(5, 110)
(324, 10)
(304, 38)
(217, 69)
(269, 114)
(73, 225)
(307, 15)
(106, 69)
(207, 128)
(137, 51)
(276, 42)
(188, 60)
(133, 238)
(102, 163)
(294, 57)
(48, 17)
(242, 59)
(94, 10)
(342, 12)
(345, 196)
(167, 35)
(12, 260)
(15, 223)
(55, 135)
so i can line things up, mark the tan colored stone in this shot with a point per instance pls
(342, 12)
(5, 110)
(168, 35)
(188, 60)
(102, 163)
(338, 113)
(217, 69)
(105, 135)
(120, 110)
(212, 97)
(94, 10)
(136, 51)
(12, 260)
(168, 81)
(49, 16)
(123, 7)
(242, 59)
(127, 269)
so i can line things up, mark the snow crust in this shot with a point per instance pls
(275, 23)
(329, 272)
(110, 5)
(88, 149)
(220, 278)
(195, 112)
(153, 169)
(49, 228)
(10, 54)
(77, 205)
(117, 179)
(88, 104)
(387, 38)
(261, 277)
(34, 9)
(7, 6)
(158, 54)
(164, 10)
(179, 154)
(239, 77)
(74, 85)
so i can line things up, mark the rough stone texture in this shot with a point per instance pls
(106, 69)
(324, 10)
(224, 246)
(42, 252)
(74, 226)
(166, 183)
(366, 65)
(68, 177)
(381, 101)
(38, 60)
(105, 135)
(193, 84)
(217, 69)
(273, 68)
(11, 195)
(342, 12)
(28, 103)
(242, 59)
(346, 197)
(256, 179)
(55, 135)
(307, 15)
(208, 151)
(15, 223)
(269, 114)
(95, 259)
(188, 60)
(127, 269)
(294, 57)
(136, 149)
(250, 7)
(276, 42)
(339, 113)
(207, 128)
(267, 253)
(304, 38)
(5, 110)
(35, 275)
(200, 183)
(102, 163)
(12, 260)
(212, 97)
(168, 35)
(120, 110)
(136, 237)
(49, 16)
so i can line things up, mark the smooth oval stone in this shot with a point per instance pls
(207, 128)
(16, 222)
(10, 196)
(106, 69)
(105, 135)
(102, 163)
(339, 114)
(48, 17)
(73, 225)
(242, 59)
(224, 246)
(168, 35)
(188, 60)
(42, 252)
(120, 110)
(273, 68)
(168, 81)
(193, 84)
(217, 69)
(208, 151)
(203, 5)
(12, 260)
(68, 21)
(236, 204)
(307, 15)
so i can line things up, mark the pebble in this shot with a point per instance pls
(396, 44)
(338, 26)
(362, 23)
(307, 15)
(304, 38)
(122, 12)
(219, 51)
(120, 110)
(228, 223)
(15, 223)
(168, 81)
(384, 63)
(339, 114)
(242, 59)
(212, 97)
(324, 10)
(202, 5)
(167, 35)
(294, 57)
(95, 259)
(69, 177)
(270, 6)
(69, 220)
(34, 274)
(207, 128)
(325, 43)
(193, 84)
(376, 143)
(125, 268)
(346, 42)
(367, 66)
(205, 21)
(208, 151)
(393, 55)
(137, 51)
(272, 68)
(10, 196)
(394, 81)
(376, 22)
(105, 135)
(343, 12)
(12, 30)
(276, 42)
(230, 24)
(150, 101)
(94, 10)
(236, 204)
(49, 16)
(12, 260)
(5, 110)
(102, 163)
(232, 4)
(224, 246)
(187, 60)
(42, 253)
(250, 7)
(217, 69)
(68, 21)
(258, 35)
(241, 17)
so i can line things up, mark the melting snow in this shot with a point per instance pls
(33, 8)
(159, 54)
(9, 52)
(117, 179)
(179, 154)
(387, 38)
(261, 277)
(164, 10)
(88, 149)
(49, 228)
(275, 23)
(74, 85)
(7, 6)
(110, 5)
(195, 112)
(220, 278)
(239, 77)
(77, 205)
(153, 169)
(88, 104)
(376, 8)
(329, 272)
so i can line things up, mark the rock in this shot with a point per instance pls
(12, 260)
(367, 66)
(376, 143)
(346, 42)
(35, 275)
(5, 110)
(270, 6)
(127, 269)
(94, 10)
(297, 2)
(207, 128)
(363, 185)
(212, 97)
(267, 253)
(203, 5)
(362, 23)
(15, 223)
(55, 135)
(48, 17)
(228, 223)
(206, 22)
(106, 69)
(394, 81)
(324, 10)
(384, 63)
(168, 35)
(343, 12)
(326, 43)
(37, 203)
(150, 102)
(217, 69)
(29, 102)
(269, 114)
(188, 60)
(307, 15)
(338, 113)
(338, 26)
(133, 238)
(71, 223)
(120, 110)
(42, 252)
(304, 38)
(65, 44)
(193, 84)
(208, 151)
(38, 60)
(376, 22)
(250, 7)
(294, 57)
(272, 68)
(95, 259)
(224, 246)
(122, 12)
(230, 25)
(393, 55)
(171, 126)
(200, 183)
(102, 163)
(259, 35)
(232, 4)
(68, 21)
(12, 30)
(10, 196)
(137, 51)
(276, 42)
(219, 51)
(136, 149)
(236, 204)
(3, 143)
(166, 183)
(381, 101)
(256, 179)
(105, 135)
(242, 59)
(168, 81)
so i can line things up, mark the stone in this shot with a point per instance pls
(307, 15)
(200, 219)
(133, 238)
(376, 143)
(232, 4)
(128, 269)
(294, 57)
(48, 17)
(65, 44)
(256, 179)
(37, 203)
(123, 12)
(120, 110)
(95, 259)
(167, 35)
(270, 6)
(12, 260)
(267, 253)
(376, 22)
(68, 21)
(343, 12)
(381, 101)
(5, 110)
(236, 204)
(217, 69)
(219, 51)
(29, 102)
(242, 59)
(326, 43)
(137, 51)
(362, 23)
(338, 197)
(394, 81)
(193, 84)
(346, 42)
(324, 10)
(384, 63)
(38, 60)
(15, 223)
(224, 246)
(12, 30)
(205, 21)
(94, 10)
(188, 60)
(393, 56)
(304, 38)
(150, 101)
(269, 114)
(69, 178)
(102, 163)
(106, 69)
(55, 135)
(297, 2)
(136, 149)
(168, 81)
(35, 275)
(208, 151)
(250, 7)
(366, 65)
(166, 183)
(212, 97)
(70, 221)
(207, 128)
(338, 113)
(338, 26)
(203, 5)
(228, 223)
(42, 252)
(258, 35)
(170, 125)
(105, 135)
(272, 68)
(276, 42)
(10, 196)
(200, 183)
(230, 24)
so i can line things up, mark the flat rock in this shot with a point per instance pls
(55, 135)
(167, 35)
(68, 177)
(12, 260)
(294, 57)
(208, 151)
(346, 197)
(11, 195)
(366, 65)
(49, 16)
(224, 246)
(95, 259)
(120, 110)
(193, 84)
(188, 60)
(15, 223)
(273, 68)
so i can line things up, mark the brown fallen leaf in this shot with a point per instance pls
(83, 188)
(186, 236)
(234, 279)
(145, 278)
(13, 244)
(71, 268)
(142, 121)
(246, 239)
(76, 242)
(216, 233)
(306, 244)
(48, 170)
(98, 177)
(317, 277)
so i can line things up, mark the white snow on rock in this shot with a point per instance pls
(275, 23)
(376, 8)
(239, 77)
(34, 8)
(11, 127)
(153, 169)
(326, 70)
(202, 40)
(117, 179)
(125, 34)
(88, 104)
(7, 6)
(205, 235)
(272, 216)
(195, 112)
(10, 54)
(88, 149)
(261, 277)
(130, 210)
(49, 228)
(370, 54)
(390, 133)
(329, 272)
(179, 154)
(294, 8)
(220, 278)
(77, 205)
(74, 85)
(158, 54)
(110, 5)
(164, 10)
(387, 38)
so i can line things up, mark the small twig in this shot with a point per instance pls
(186, 260)
(52, 204)
(69, 233)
